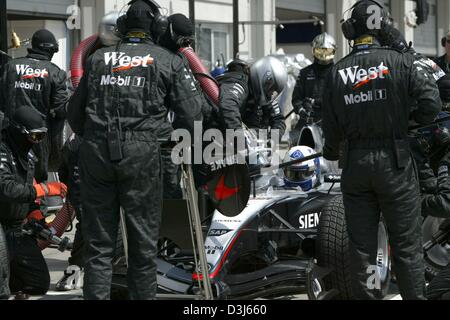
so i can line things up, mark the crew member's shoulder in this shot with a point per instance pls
(15, 61)
(161, 50)
(167, 55)
(100, 52)
(307, 69)
(5, 154)
(394, 53)
(56, 69)
(233, 76)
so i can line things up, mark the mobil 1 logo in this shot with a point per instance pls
(365, 96)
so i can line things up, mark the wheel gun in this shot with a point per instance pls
(441, 237)
(38, 229)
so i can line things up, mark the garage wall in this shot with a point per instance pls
(426, 35)
(26, 28)
(57, 7)
(317, 6)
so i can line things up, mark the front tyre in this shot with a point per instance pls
(334, 253)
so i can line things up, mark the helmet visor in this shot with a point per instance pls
(324, 54)
(298, 175)
(36, 136)
(270, 88)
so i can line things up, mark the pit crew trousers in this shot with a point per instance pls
(135, 184)
(4, 266)
(171, 177)
(77, 253)
(28, 268)
(373, 185)
(439, 288)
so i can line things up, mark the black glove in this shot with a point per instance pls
(444, 88)
(445, 95)
(318, 103)
(59, 113)
(443, 138)
(305, 108)
(34, 227)
(308, 104)
(445, 226)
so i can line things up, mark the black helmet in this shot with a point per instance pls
(393, 38)
(179, 34)
(28, 125)
(238, 65)
(139, 17)
(44, 40)
(143, 16)
(368, 18)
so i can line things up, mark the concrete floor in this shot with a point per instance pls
(57, 263)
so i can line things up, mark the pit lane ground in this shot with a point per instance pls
(57, 263)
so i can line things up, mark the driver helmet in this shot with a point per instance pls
(304, 175)
(324, 48)
(268, 78)
(107, 29)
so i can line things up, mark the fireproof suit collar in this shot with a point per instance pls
(37, 54)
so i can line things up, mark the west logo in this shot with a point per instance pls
(122, 62)
(26, 72)
(360, 77)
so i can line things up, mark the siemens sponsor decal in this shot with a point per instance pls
(309, 221)
(368, 96)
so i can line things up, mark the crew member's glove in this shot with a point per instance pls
(304, 108)
(445, 226)
(50, 189)
(445, 161)
(318, 102)
(303, 114)
(39, 229)
(444, 88)
(35, 215)
(308, 104)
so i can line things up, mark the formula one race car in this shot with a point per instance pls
(285, 241)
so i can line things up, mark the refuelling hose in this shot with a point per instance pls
(209, 86)
(79, 58)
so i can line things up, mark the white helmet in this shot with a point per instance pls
(324, 48)
(305, 175)
(107, 29)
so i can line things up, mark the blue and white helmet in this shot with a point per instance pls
(305, 175)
